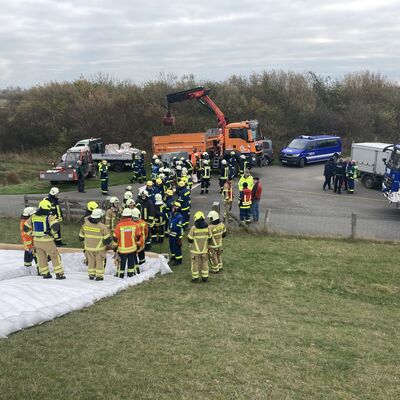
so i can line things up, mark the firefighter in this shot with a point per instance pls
(142, 165)
(155, 167)
(90, 206)
(159, 220)
(146, 207)
(143, 229)
(351, 176)
(199, 238)
(96, 237)
(205, 177)
(187, 163)
(126, 241)
(223, 174)
(246, 178)
(27, 239)
(169, 201)
(130, 203)
(243, 165)
(232, 164)
(185, 202)
(245, 203)
(227, 194)
(150, 190)
(340, 173)
(175, 233)
(43, 227)
(127, 195)
(218, 231)
(136, 176)
(158, 187)
(187, 178)
(113, 214)
(57, 212)
(103, 171)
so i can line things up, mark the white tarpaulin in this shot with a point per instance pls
(27, 300)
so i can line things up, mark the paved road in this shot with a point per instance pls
(296, 199)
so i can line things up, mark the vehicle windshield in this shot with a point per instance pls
(298, 143)
(255, 133)
(394, 162)
(70, 159)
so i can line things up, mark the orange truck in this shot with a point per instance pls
(240, 137)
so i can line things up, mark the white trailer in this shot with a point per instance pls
(369, 158)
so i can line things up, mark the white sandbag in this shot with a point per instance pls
(112, 148)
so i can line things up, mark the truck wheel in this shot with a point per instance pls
(118, 166)
(369, 181)
(302, 162)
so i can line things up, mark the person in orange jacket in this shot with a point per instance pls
(144, 232)
(27, 238)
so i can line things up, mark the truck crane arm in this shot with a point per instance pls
(201, 95)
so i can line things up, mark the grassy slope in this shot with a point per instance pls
(288, 319)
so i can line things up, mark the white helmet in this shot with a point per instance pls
(129, 202)
(161, 169)
(157, 161)
(143, 152)
(179, 162)
(178, 167)
(128, 195)
(28, 211)
(114, 200)
(161, 176)
(155, 157)
(167, 170)
(205, 154)
(213, 215)
(144, 192)
(54, 191)
(205, 162)
(126, 212)
(158, 199)
(135, 213)
(184, 171)
(243, 157)
(129, 187)
(182, 158)
(97, 213)
(223, 162)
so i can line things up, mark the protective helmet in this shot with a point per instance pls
(161, 169)
(174, 158)
(181, 183)
(182, 158)
(28, 211)
(243, 157)
(149, 183)
(158, 199)
(54, 191)
(130, 202)
(128, 195)
(184, 170)
(205, 154)
(177, 204)
(157, 161)
(159, 181)
(135, 213)
(91, 205)
(161, 176)
(129, 187)
(213, 215)
(114, 200)
(198, 215)
(223, 162)
(179, 162)
(97, 213)
(126, 212)
(196, 154)
(143, 152)
(206, 162)
(45, 205)
(169, 192)
(144, 192)
(232, 153)
(104, 162)
(178, 167)
(167, 170)
(155, 157)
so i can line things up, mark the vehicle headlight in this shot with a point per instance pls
(295, 155)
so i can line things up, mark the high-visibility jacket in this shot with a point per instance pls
(96, 236)
(126, 236)
(227, 191)
(249, 181)
(352, 172)
(160, 216)
(189, 166)
(27, 239)
(200, 238)
(175, 225)
(218, 231)
(103, 168)
(206, 172)
(143, 230)
(113, 215)
(43, 228)
(224, 172)
(55, 207)
(242, 166)
(245, 198)
(184, 199)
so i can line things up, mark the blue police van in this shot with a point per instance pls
(309, 149)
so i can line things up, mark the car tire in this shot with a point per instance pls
(369, 181)
(302, 162)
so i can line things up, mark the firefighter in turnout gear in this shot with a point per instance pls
(56, 211)
(143, 229)
(205, 177)
(232, 164)
(43, 227)
(243, 165)
(113, 214)
(136, 166)
(246, 178)
(227, 194)
(185, 202)
(142, 166)
(223, 174)
(175, 233)
(103, 171)
(146, 207)
(126, 242)
(218, 231)
(351, 176)
(27, 239)
(96, 238)
(159, 220)
(199, 238)
(245, 203)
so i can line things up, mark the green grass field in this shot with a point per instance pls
(289, 318)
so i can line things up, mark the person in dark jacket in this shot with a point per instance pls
(255, 199)
(340, 174)
(329, 173)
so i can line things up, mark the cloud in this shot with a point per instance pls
(46, 40)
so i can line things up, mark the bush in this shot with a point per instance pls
(12, 178)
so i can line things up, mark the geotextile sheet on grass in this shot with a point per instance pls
(27, 299)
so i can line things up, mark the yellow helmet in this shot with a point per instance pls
(149, 183)
(92, 205)
(158, 181)
(198, 215)
(45, 205)
(181, 183)
(169, 192)
(177, 204)
(104, 162)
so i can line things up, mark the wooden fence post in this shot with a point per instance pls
(353, 226)
(267, 218)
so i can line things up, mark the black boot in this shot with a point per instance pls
(91, 277)
(204, 279)
(99, 278)
(47, 276)
(137, 270)
(60, 276)
(195, 280)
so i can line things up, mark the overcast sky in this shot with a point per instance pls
(43, 40)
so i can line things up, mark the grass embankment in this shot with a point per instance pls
(288, 319)
(25, 178)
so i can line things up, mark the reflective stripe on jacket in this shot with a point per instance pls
(200, 237)
(94, 236)
(217, 232)
(126, 237)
